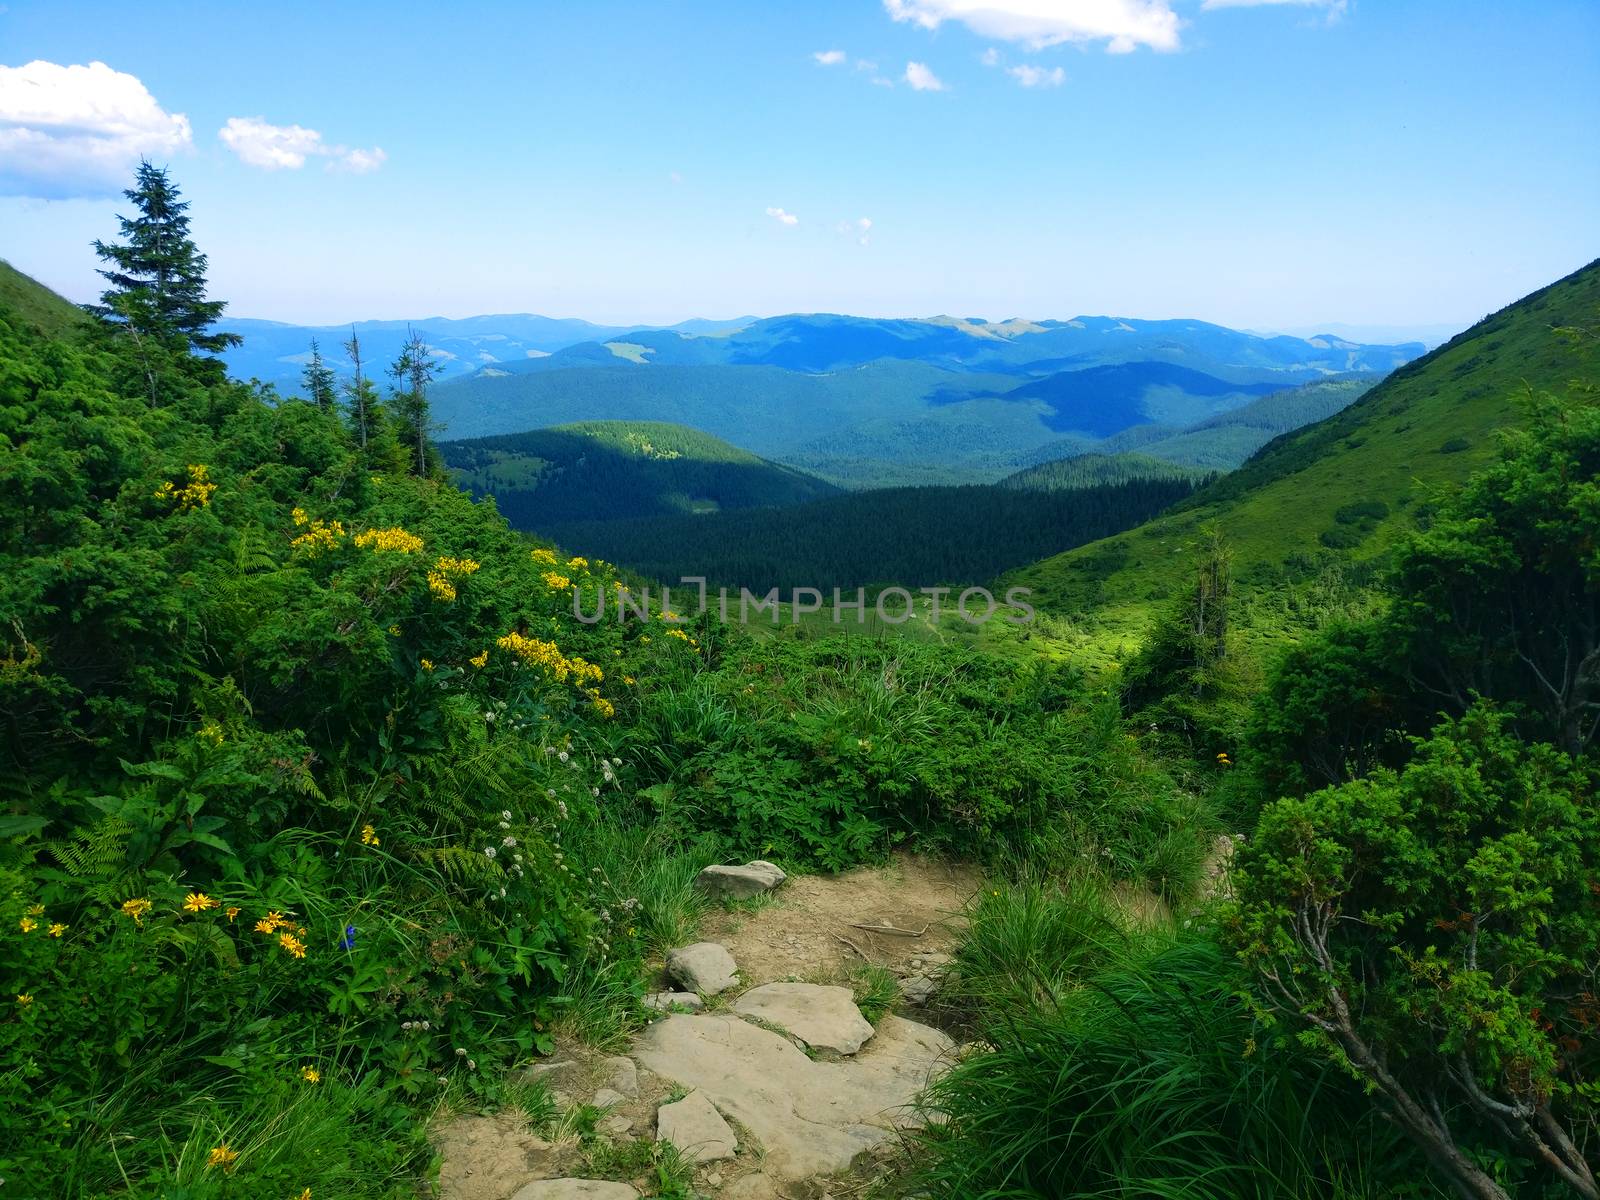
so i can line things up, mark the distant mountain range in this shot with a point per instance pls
(864, 402)
(276, 353)
(856, 401)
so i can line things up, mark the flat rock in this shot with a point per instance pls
(810, 1118)
(620, 1074)
(576, 1189)
(740, 883)
(823, 1017)
(705, 968)
(486, 1158)
(617, 1126)
(667, 1001)
(695, 1127)
(607, 1098)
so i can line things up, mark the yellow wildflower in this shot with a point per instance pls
(456, 568)
(311, 1074)
(28, 924)
(628, 679)
(299, 516)
(320, 536)
(556, 582)
(198, 902)
(57, 929)
(136, 909)
(394, 540)
(279, 921)
(292, 944)
(578, 564)
(604, 707)
(233, 911)
(369, 836)
(24, 999)
(36, 910)
(541, 555)
(265, 926)
(479, 660)
(196, 493)
(222, 1156)
(427, 664)
(305, 1195)
(679, 634)
(441, 588)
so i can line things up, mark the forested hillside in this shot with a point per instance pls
(609, 470)
(914, 536)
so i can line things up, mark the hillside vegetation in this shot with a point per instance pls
(913, 536)
(1337, 495)
(610, 470)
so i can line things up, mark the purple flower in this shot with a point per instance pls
(348, 941)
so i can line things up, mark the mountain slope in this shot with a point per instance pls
(34, 303)
(1341, 491)
(610, 470)
(1089, 470)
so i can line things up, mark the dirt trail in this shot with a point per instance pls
(811, 927)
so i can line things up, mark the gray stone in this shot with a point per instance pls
(576, 1189)
(824, 1018)
(810, 1118)
(918, 989)
(667, 1001)
(607, 1098)
(620, 1074)
(740, 883)
(705, 967)
(617, 1126)
(695, 1127)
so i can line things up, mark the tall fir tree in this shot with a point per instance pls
(157, 276)
(318, 379)
(413, 370)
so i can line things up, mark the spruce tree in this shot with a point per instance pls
(318, 379)
(413, 370)
(158, 276)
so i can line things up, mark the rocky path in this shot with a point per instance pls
(762, 1070)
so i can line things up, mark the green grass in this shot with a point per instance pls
(36, 304)
(1388, 446)
(876, 990)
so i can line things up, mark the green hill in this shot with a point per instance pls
(24, 297)
(1334, 496)
(610, 470)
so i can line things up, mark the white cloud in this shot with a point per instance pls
(922, 79)
(1335, 6)
(783, 218)
(1037, 77)
(79, 130)
(259, 143)
(1124, 25)
(829, 58)
(860, 229)
(991, 57)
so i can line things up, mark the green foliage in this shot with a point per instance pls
(1089, 470)
(1434, 931)
(828, 752)
(1123, 1063)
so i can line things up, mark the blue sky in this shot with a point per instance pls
(1269, 165)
